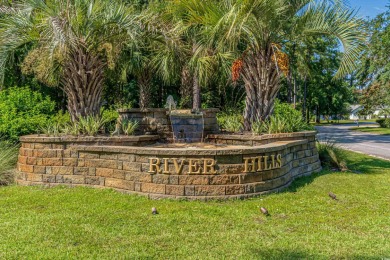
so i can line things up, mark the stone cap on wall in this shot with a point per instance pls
(84, 139)
(150, 150)
(262, 137)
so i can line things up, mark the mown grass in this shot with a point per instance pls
(374, 130)
(304, 222)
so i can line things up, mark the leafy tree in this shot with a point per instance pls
(376, 61)
(71, 44)
(377, 96)
(374, 73)
(322, 92)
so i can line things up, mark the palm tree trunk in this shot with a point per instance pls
(295, 93)
(82, 82)
(290, 88)
(145, 89)
(196, 92)
(195, 84)
(261, 78)
(186, 88)
(304, 99)
(318, 115)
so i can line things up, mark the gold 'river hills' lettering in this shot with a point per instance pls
(262, 163)
(195, 166)
(207, 166)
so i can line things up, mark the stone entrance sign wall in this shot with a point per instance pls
(226, 171)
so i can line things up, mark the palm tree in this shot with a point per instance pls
(71, 44)
(255, 31)
(182, 56)
(157, 53)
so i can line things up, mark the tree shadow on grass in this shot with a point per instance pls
(369, 166)
(306, 180)
(280, 253)
(271, 253)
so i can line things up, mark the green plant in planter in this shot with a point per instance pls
(110, 116)
(129, 126)
(257, 127)
(71, 128)
(274, 125)
(284, 120)
(51, 128)
(230, 122)
(91, 125)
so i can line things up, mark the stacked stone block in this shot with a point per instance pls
(60, 161)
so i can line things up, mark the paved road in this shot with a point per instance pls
(372, 144)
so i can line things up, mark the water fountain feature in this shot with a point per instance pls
(170, 104)
(187, 125)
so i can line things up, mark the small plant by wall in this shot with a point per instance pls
(331, 156)
(8, 158)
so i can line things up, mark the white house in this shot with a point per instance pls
(353, 115)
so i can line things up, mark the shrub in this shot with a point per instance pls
(384, 122)
(292, 117)
(284, 120)
(331, 156)
(8, 158)
(23, 111)
(230, 122)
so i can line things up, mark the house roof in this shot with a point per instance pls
(355, 108)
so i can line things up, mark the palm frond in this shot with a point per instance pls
(16, 30)
(7, 10)
(340, 22)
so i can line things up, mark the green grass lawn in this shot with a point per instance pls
(374, 130)
(75, 223)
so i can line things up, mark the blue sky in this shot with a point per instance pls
(370, 8)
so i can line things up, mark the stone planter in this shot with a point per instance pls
(235, 166)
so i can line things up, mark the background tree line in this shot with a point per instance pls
(234, 55)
